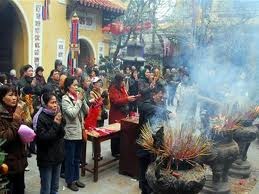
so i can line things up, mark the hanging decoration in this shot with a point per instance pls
(118, 28)
(138, 28)
(147, 25)
(45, 10)
(74, 43)
(106, 29)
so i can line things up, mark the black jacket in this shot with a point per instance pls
(24, 85)
(133, 86)
(53, 87)
(144, 89)
(150, 112)
(50, 141)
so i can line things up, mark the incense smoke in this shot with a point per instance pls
(224, 71)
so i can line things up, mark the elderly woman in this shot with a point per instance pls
(10, 121)
(98, 95)
(74, 109)
(119, 100)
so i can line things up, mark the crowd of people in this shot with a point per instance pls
(58, 109)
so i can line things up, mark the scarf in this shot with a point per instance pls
(72, 96)
(44, 109)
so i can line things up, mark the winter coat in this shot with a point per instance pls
(150, 112)
(153, 114)
(144, 89)
(133, 87)
(74, 113)
(40, 80)
(119, 104)
(16, 158)
(25, 85)
(34, 92)
(98, 95)
(49, 140)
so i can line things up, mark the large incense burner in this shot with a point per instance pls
(224, 153)
(241, 168)
(175, 169)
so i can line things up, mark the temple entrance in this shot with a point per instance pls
(13, 37)
(86, 57)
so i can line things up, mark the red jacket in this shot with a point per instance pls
(118, 98)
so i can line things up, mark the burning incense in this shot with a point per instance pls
(178, 146)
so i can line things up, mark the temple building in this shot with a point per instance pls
(38, 32)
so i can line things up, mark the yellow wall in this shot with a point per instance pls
(58, 27)
(19, 53)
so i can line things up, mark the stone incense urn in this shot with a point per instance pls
(241, 168)
(187, 179)
(224, 153)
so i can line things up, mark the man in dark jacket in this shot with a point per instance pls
(151, 111)
(53, 85)
(30, 93)
(27, 82)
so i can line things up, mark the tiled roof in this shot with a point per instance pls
(104, 5)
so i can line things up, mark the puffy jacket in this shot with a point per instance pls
(16, 158)
(74, 113)
(155, 115)
(49, 140)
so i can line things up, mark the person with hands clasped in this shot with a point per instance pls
(10, 121)
(99, 99)
(49, 126)
(119, 100)
(74, 109)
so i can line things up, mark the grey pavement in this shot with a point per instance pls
(110, 181)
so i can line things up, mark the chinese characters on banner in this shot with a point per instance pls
(60, 49)
(37, 35)
(100, 50)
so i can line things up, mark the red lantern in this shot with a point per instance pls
(126, 30)
(116, 28)
(147, 25)
(138, 28)
(106, 29)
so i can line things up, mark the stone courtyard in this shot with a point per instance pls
(111, 182)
